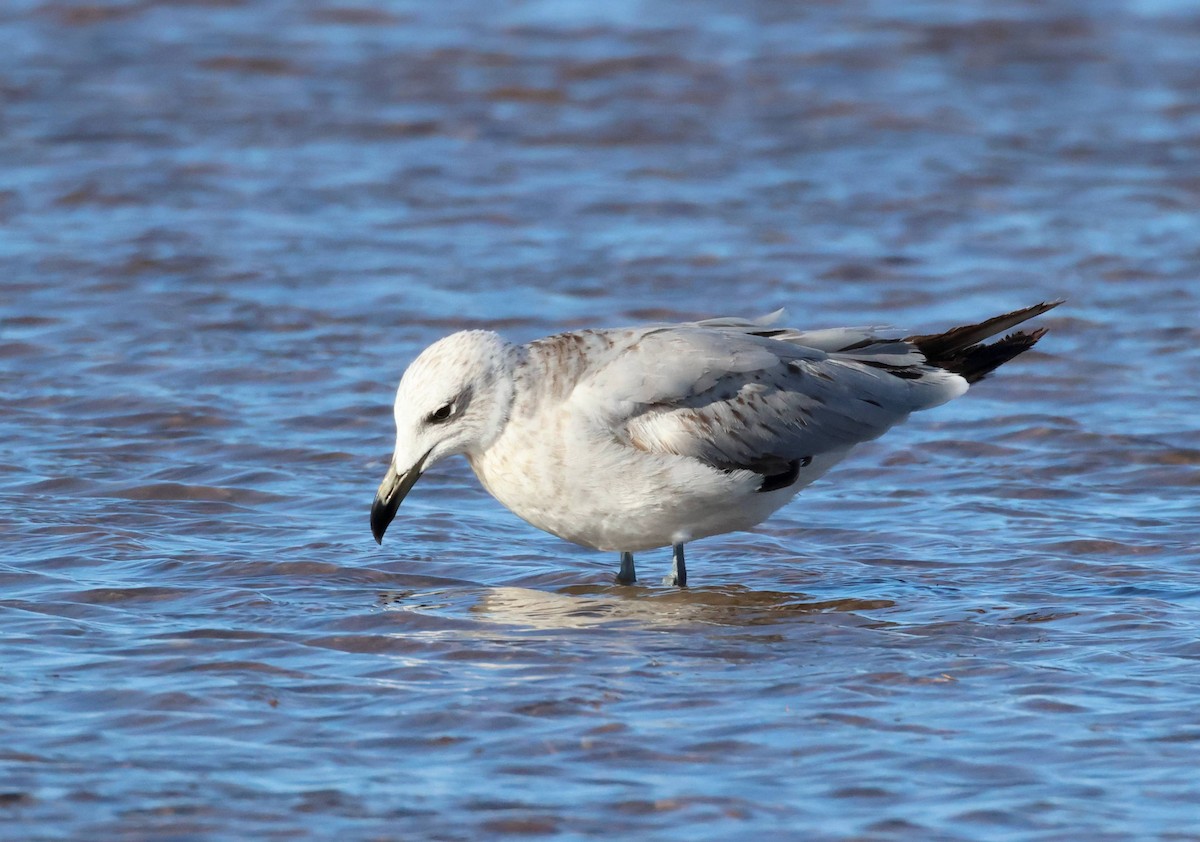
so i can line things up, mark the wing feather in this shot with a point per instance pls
(736, 394)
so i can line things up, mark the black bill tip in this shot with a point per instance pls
(382, 514)
(391, 494)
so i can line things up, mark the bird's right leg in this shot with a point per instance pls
(678, 576)
(626, 576)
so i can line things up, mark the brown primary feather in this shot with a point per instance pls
(962, 351)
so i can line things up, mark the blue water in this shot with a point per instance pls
(228, 226)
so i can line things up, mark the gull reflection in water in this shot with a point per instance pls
(587, 606)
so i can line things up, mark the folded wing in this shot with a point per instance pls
(742, 395)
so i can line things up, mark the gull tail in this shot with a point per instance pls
(962, 351)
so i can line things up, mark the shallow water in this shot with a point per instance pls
(227, 226)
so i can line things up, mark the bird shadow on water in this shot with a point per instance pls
(592, 605)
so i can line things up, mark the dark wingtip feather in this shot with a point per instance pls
(942, 345)
(978, 361)
(961, 349)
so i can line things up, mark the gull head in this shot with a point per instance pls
(454, 399)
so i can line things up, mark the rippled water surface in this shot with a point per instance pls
(228, 225)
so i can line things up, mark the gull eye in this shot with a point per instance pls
(441, 414)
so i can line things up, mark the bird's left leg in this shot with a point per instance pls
(678, 575)
(626, 576)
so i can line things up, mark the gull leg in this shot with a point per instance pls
(678, 575)
(626, 576)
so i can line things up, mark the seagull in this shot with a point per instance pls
(630, 439)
